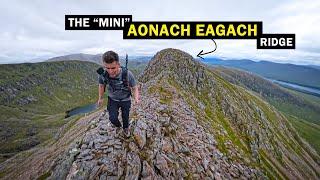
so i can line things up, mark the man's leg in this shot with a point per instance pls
(125, 110)
(113, 109)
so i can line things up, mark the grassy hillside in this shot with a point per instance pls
(35, 97)
(303, 110)
(136, 67)
(304, 121)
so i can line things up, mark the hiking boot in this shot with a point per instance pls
(113, 130)
(126, 132)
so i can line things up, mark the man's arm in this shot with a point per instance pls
(136, 94)
(101, 92)
(134, 87)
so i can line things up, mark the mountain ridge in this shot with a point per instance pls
(191, 123)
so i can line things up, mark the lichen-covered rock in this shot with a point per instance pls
(139, 134)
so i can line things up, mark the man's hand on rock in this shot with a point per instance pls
(100, 102)
(137, 101)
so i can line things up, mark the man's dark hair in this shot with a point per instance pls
(110, 57)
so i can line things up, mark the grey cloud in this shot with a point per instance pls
(36, 30)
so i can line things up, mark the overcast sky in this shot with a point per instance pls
(34, 30)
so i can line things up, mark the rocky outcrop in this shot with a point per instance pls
(166, 143)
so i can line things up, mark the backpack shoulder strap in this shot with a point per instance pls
(124, 76)
(104, 74)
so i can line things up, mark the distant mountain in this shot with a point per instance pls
(97, 58)
(135, 63)
(314, 66)
(297, 74)
(79, 57)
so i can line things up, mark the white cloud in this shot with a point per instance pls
(36, 30)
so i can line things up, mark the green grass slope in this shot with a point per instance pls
(303, 110)
(35, 97)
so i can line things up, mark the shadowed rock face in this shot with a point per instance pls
(191, 123)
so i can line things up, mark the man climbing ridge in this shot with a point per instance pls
(121, 83)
